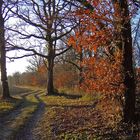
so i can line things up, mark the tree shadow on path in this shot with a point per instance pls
(68, 96)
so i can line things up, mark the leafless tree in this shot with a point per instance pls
(47, 22)
(35, 62)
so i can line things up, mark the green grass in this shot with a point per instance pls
(17, 122)
(68, 97)
(65, 101)
(67, 116)
(26, 107)
(8, 105)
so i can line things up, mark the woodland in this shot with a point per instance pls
(82, 81)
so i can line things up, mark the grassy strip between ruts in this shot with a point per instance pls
(17, 121)
(54, 104)
(8, 105)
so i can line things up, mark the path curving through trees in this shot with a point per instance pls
(12, 123)
(27, 132)
(59, 117)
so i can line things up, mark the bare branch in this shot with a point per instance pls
(19, 57)
(25, 49)
(63, 51)
(26, 36)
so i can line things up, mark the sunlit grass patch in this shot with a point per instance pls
(72, 91)
(65, 101)
(66, 98)
(78, 136)
(91, 97)
(8, 105)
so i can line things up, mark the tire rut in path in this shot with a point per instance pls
(26, 133)
(5, 117)
(7, 120)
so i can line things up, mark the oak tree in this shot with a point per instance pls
(49, 23)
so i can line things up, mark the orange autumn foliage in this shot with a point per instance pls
(104, 76)
(65, 76)
(96, 35)
(39, 77)
(33, 81)
(42, 69)
(95, 29)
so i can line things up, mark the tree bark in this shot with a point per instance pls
(129, 79)
(125, 45)
(127, 51)
(5, 87)
(50, 85)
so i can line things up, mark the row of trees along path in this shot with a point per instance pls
(124, 44)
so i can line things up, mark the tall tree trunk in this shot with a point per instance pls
(50, 86)
(129, 81)
(5, 87)
(126, 48)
